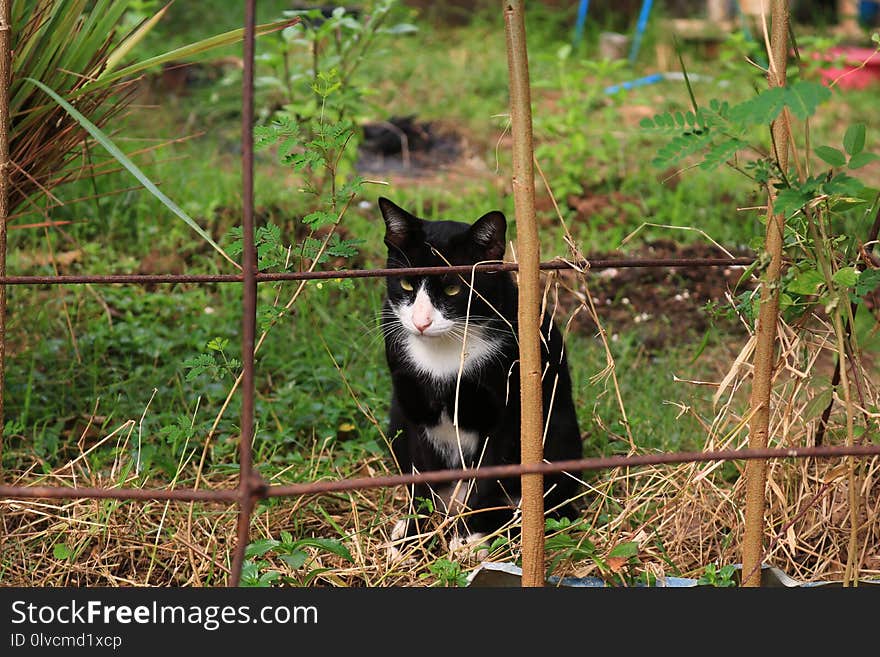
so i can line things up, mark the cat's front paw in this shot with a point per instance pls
(398, 533)
(471, 545)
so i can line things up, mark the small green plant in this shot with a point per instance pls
(567, 542)
(319, 44)
(564, 546)
(447, 572)
(215, 362)
(720, 576)
(257, 572)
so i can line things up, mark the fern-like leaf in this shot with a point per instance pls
(721, 153)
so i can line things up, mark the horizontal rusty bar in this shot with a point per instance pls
(437, 476)
(158, 494)
(603, 463)
(265, 277)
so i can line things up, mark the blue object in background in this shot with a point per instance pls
(869, 10)
(581, 21)
(644, 14)
(640, 30)
(639, 82)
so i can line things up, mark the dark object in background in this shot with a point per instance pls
(406, 146)
(397, 135)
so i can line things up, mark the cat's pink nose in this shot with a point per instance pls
(423, 324)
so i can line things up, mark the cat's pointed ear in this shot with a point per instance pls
(489, 233)
(400, 225)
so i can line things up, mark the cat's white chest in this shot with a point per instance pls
(452, 444)
(444, 356)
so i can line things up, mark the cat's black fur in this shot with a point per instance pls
(489, 393)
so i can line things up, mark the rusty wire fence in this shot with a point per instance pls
(252, 487)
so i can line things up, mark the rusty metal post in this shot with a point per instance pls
(759, 402)
(5, 76)
(248, 480)
(529, 321)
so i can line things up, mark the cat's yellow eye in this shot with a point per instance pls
(406, 285)
(452, 290)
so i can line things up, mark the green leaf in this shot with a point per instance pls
(790, 200)
(760, 110)
(854, 139)
(844, 185)
(869, 280)
(340, 248)
(629, 549)
(295, 559)
(218, 344)
(859, 160)
(817, 404)
(61, 551)
(846, 277)
(832, 156)
(122, 158)
(260, 547)
(128, 44)
(559, 542)
(250, 573)
(199, 365)
(319, 218)
(328, 545)
(268, 577)
(803, 97)
(807, 282)
(785, 301)
(680, 147)
(721, 153)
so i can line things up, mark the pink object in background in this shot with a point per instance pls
(853, 76)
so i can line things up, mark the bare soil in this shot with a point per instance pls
(667, 305)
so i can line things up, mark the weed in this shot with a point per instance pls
(300, 562)
(448, 573)
(720, 576)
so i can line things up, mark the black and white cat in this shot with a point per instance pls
(452, 352)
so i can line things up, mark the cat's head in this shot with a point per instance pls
(437, 306)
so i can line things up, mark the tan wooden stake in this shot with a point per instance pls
(759, 427)
(5, 76)
(529, 255)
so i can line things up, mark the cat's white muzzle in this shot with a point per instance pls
(422, 319)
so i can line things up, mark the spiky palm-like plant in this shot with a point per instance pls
(74, 47)
(65, 47)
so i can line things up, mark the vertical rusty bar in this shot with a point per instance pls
(5, 76)
(249, 299)
(765, 348)
(529, 321)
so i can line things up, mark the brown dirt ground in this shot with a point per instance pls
(665, 305)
